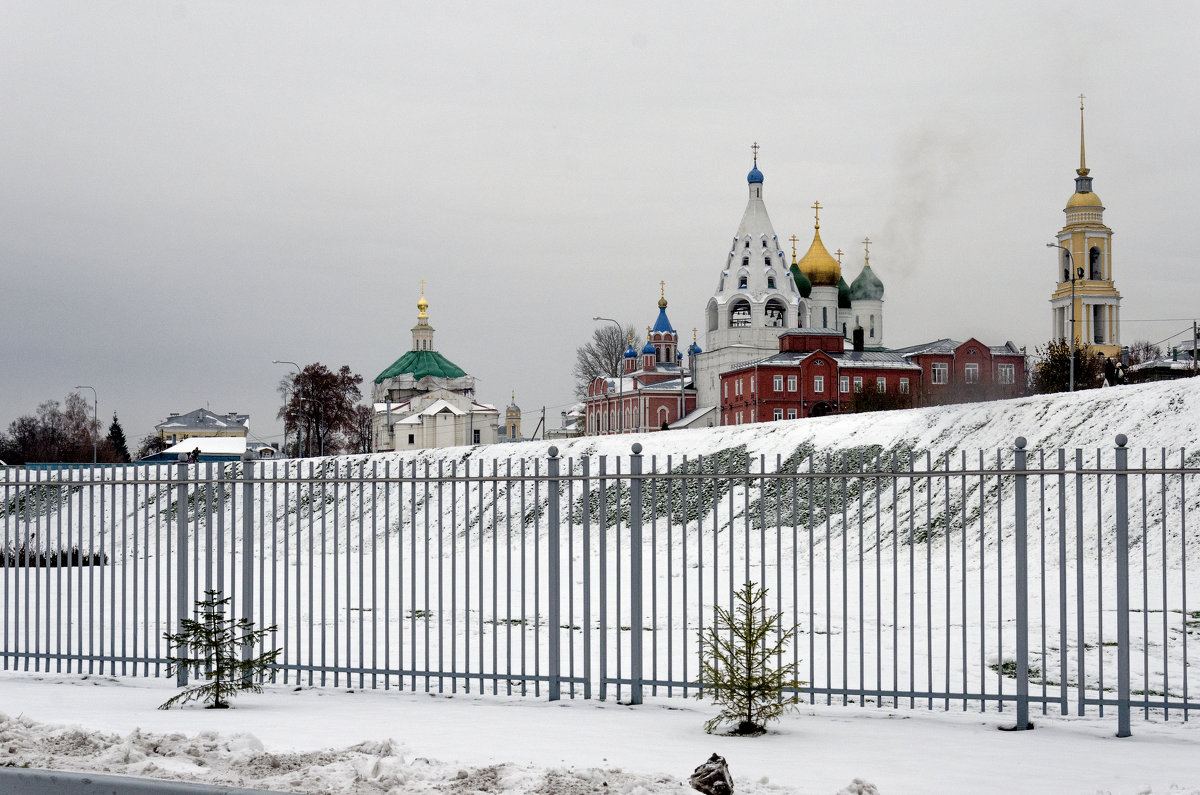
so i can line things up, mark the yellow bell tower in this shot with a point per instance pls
(1085, 301)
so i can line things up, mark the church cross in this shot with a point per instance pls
(754, 148)
(838, 253)
(817, 213)
(1081, 98)
(422, 287)
(867, 246)
(794, 239)
(662, 289)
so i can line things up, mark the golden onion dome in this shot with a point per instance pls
(1080, 199)
(819, 265)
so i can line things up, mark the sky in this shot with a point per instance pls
(193, 190)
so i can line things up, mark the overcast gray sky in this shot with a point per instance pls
(191, 190)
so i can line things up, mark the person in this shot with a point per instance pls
(1120, 373)
(1110, 372)
(194, 456)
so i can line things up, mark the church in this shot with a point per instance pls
(425, 400)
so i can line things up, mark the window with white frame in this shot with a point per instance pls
(778, 383)
(941, 372)
(791, 383)
(1006, 373)
(751, 379)
(791, 414)
(737, 387)
(971, 372)
(778, 414)
(818, 383)
(858, 383)
(725, 388)
(844, 384)
(903, 386)
(880, 384)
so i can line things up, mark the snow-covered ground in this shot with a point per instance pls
(339, 741)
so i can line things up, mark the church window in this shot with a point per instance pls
(745, 262)
(1094, 262)
(1098, 323)
(843, 329)
(764, 241)
(872, 326)
(775, 313)
(747, 243)
(824, 317)
(771, 282)
(739, 314)
(767, 261)
(711, 315)
(742, 282)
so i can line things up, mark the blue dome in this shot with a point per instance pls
(648, 348)
(630, 353)
(693, 349)
(755, 176)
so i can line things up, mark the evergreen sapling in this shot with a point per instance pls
(742, 666)
(214, 644)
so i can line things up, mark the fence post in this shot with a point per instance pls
(247, 611)
(1022, 584)
(635, 574)
(554, 562)
(1122, 552)
(181, 567)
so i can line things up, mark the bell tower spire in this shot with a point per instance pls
(422, 333)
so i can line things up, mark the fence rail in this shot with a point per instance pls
(1015, 579)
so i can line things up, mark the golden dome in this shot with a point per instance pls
(1088, 199)
(819, 265)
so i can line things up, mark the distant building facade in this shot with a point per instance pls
(202, 423)
(424, 400)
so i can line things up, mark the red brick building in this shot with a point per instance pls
(813, 375)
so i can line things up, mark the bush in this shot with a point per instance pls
(736, 656)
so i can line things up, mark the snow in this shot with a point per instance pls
(210, 445)
(335, 740)
(313, 740)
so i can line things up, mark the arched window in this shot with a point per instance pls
(771, 282)
(710, 314)
(739, 314)
(776, 314)
(742, 282)
(747, 242)
(745, 262)
(767, 261)
(1096, 269)
(764, 241)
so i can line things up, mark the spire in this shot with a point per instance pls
(755, 176)
(662, 295)
(1083, 169)
(422, 304)
(422, 333)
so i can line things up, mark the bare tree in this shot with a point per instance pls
(56, 433)
(361, 431)
(1143, 351)
(321, 404)
(601, 355)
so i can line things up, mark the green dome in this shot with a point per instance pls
(866, 286)
(802, 282)
(843, 294)
(421, 364)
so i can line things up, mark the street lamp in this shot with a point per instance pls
(95, 418)
(299, 449)
(1074, 273)
(620, 380)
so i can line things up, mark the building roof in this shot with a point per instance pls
(204, 419)
(420, 364)
(866, 286)
(209, 445)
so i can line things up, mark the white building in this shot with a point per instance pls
(758, 297)
(425, 400)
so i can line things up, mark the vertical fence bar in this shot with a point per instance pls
(181, 567)
(1122, 553)
(1022, 583)
(585, 493)
(553, 563)
(635, 575)
(247, 605)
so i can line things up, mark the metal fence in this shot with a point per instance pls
(1023, 580)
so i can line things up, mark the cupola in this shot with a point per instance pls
(818, 264)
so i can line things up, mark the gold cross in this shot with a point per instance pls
(693, 335)
(867, 246)
(422, 287)
(839, 256)
(817, 213)
(794, 239)
(754, 148)
(1081, 98)
(662, 289)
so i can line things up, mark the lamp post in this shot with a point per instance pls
(620, 380)
(95, 418)
(299, 449)
(1073, 273)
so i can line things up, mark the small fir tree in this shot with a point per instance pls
(116, 437)
(737, 655)
(213, 644)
